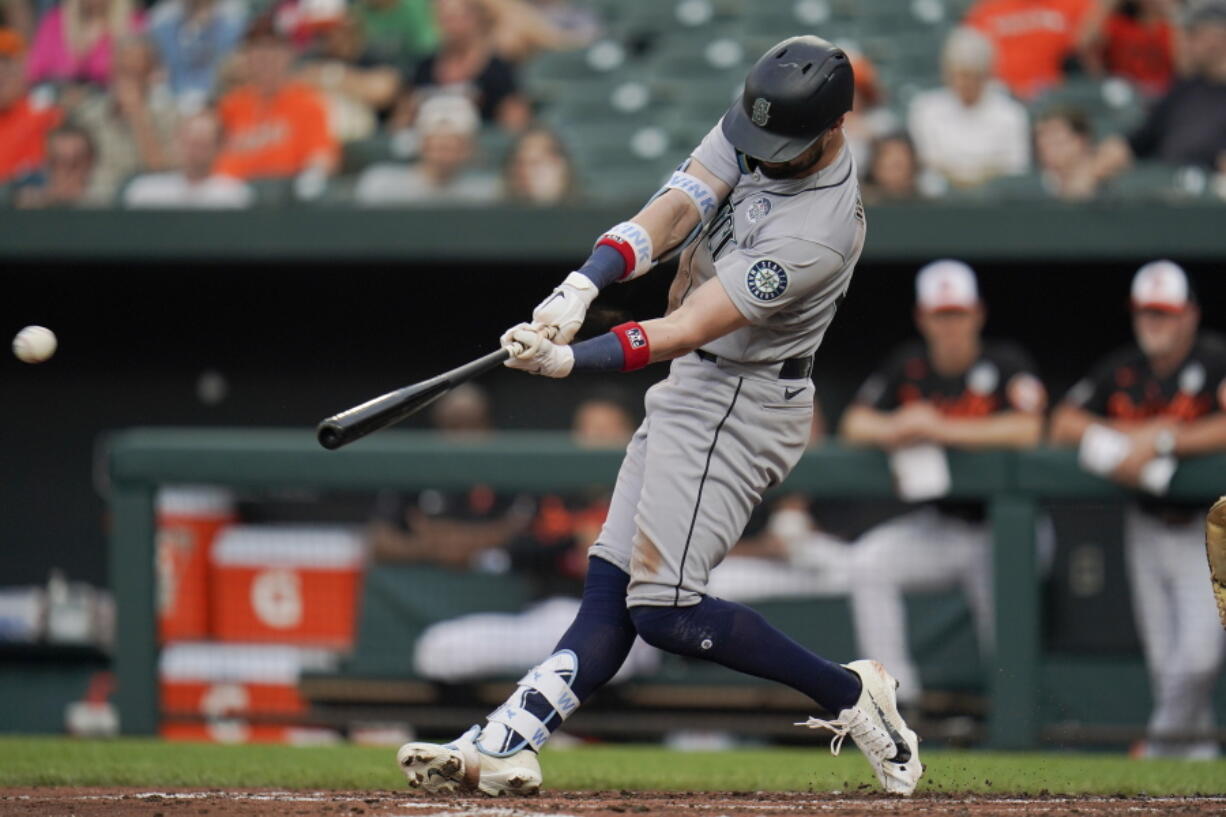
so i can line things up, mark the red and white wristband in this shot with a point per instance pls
(634, 245)
(636, 349)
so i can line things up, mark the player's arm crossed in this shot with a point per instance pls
(1075, 416)
(1020, 425)
(921, 422)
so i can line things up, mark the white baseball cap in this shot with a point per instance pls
(946, 285)
(448, 112)
(1161, 285)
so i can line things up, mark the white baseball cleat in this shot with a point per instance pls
(459, 766)
(878, 730)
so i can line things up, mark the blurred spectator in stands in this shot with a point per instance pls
(1139, 40)
(66, 175)
(892, 170)
(444, 172)
(1187, 126)
(1064, 148)
(25, 118)
(602, 421)
(193, 39)
(133, 124)
(552, 556)
(453, 529)
(303, 22)
(18, 15)
(1033, 39)
(76, 39)
(538, 170)
(971, 130)
(523, 29)
(357, 85)
(466, 63)
(869, 117)
(950, 390)
(274, 126)
(194, 185)
(1133, 418)
(399, 32)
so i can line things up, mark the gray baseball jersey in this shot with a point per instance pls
(717, 434)
(784, 250)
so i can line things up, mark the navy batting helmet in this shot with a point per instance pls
(794, 93)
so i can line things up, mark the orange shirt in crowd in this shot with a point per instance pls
(23, 137)
(273, 137)
(1141, 52)
(1032, 38)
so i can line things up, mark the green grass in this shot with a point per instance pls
(154, 764)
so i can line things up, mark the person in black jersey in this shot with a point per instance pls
(1133, 417)
(952, 389)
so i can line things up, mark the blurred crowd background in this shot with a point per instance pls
(237, 103)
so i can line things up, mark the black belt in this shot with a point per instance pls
(796, 368)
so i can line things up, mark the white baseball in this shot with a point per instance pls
(34, 344)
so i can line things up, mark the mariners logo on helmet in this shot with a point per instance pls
(766, 280)
(761, 112)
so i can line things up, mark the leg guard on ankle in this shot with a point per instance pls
(513, 727)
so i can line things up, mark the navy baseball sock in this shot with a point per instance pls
(599, 640)
(741, 639)
(602, 632)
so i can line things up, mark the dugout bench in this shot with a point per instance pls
(1025, 689)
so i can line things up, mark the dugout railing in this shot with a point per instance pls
(1012, 484)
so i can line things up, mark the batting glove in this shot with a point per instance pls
(561, 314)
(532, 352)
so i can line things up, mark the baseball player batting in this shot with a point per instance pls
(767, 216)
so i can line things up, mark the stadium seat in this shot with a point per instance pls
(359, 154)
(272, 192)
(1145, 180)
(549, 75)
(1026, 187)
(492, 147)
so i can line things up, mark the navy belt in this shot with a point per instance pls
(796, 368)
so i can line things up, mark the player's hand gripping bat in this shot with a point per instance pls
(389, 409)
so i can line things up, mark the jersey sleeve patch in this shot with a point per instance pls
(766, 280)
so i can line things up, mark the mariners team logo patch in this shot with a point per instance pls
(766, 280)
(759, 209)
(761, 112)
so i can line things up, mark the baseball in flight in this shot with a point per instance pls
(34, 344)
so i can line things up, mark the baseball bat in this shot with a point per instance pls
(389, 409)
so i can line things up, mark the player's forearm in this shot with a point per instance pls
(473, 537)
(862, 425)
(391, 545)
(668, 219)
(1010, 429)
(1204, 436)
(1068, 423)
(707, 314)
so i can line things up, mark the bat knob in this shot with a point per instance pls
(329, 436)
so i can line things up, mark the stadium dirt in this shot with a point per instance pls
(109, 802)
